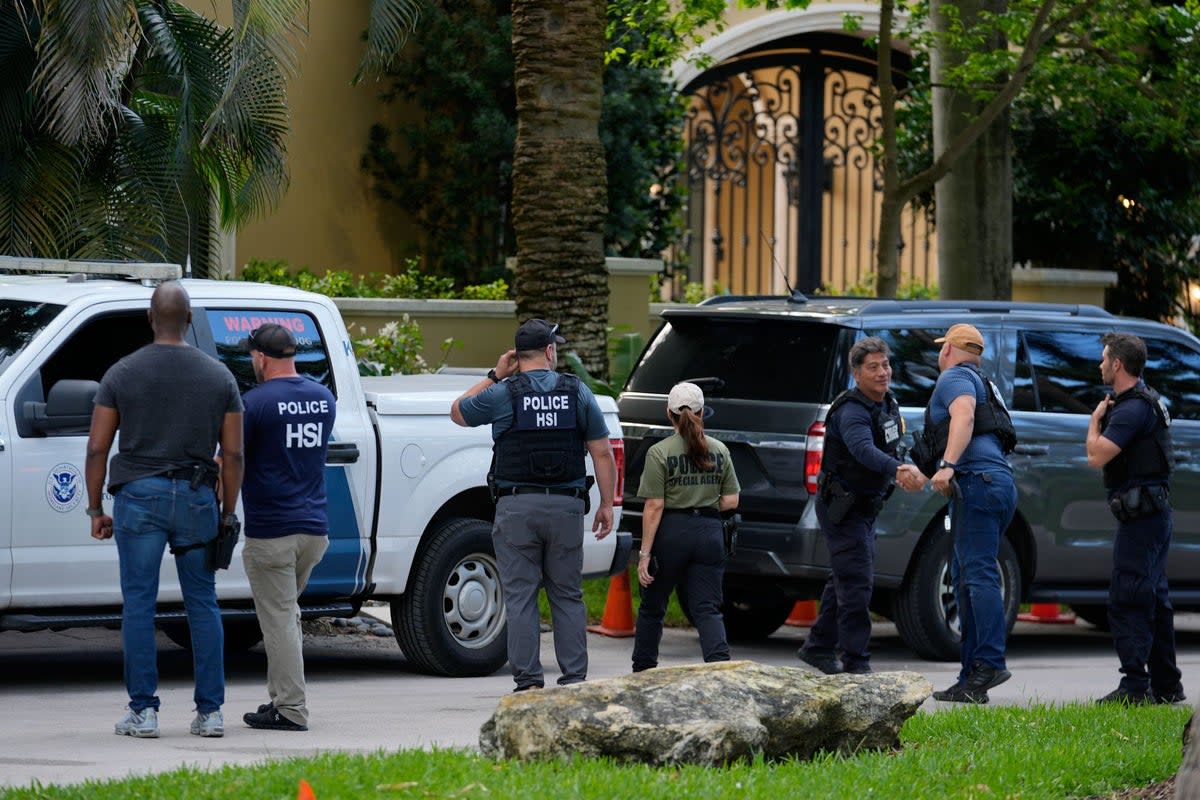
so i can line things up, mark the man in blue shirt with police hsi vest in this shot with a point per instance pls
(858, 470)
(288, 421)
(1129, 436)
(972, 431)
(543, 423)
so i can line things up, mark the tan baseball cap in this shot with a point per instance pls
(964, 337)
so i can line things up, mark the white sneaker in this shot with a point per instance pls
(141, 724)
(210, 724)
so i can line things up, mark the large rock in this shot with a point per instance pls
(706, 714)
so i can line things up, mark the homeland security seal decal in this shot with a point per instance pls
(64, 489)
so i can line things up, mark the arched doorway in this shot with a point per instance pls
(781, 174)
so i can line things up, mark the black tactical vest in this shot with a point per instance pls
(544, 446)
(990, 417)
(1146, 459)
(887, 426)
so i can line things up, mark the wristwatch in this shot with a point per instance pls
(492, 376)
(943, 463)
(98, 511)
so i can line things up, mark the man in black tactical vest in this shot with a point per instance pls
(543, 423)
(972, 433)
(860, 463)
(1129, 437)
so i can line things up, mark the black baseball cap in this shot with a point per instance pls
(271, 340)
(534, 334)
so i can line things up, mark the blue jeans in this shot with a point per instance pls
(149, 514)
(978, 520)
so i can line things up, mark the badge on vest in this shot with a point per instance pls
(546, 411)
(891, 431)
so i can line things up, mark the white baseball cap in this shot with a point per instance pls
(686, 395)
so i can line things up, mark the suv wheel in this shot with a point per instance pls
(750, 617)
(1095, 614)
(926, 610)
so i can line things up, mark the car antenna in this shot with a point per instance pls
(793, 295)
(187, 265)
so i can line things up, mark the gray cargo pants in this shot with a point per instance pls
(539, 541)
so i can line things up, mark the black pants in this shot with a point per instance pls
(845, 619)
(689, 549)
(1139, 608)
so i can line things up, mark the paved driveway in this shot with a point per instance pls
(62, 692)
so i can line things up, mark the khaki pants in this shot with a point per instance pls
(278, 570)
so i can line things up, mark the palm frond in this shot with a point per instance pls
(17, 63)
(190, 61)
(84, 51)
(387, 30)
(271, 24)
(39, 189)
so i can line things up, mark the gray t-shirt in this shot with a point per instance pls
(172, 401)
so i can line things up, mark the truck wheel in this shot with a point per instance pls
(451, 620)
(240, 634)
(926, 609)
(750, 617)
(1096, 614)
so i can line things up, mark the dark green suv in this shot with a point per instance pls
(770, 366)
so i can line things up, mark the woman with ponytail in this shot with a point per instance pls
(687, 481)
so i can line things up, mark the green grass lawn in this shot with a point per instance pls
(1050, 752)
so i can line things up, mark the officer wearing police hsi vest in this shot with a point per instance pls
(542, 425)
(1129, 437)
(858, 468)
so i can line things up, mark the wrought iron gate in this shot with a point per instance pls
(781, 175)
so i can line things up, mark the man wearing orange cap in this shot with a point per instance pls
(971, 428)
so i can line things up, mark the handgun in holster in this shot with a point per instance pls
(1137, 502)
(838, 500)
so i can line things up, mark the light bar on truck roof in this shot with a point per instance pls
(139, 270)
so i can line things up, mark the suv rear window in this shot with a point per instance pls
(751, 359)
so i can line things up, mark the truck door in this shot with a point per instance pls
(50, 541)
(6, 497)
(350, 471)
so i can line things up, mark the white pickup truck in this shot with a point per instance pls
(410, 515)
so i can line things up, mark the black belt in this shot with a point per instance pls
(579, 493)
(695, 512)
(178, 474)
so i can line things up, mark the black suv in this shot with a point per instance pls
(770, 366)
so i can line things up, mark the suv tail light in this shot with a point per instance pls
(814, 448)
(618, 448)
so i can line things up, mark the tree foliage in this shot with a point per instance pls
(125, 123)
(450, 165)
(1105, 159)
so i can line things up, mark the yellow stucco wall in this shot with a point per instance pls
(328, 218)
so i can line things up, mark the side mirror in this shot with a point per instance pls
(67, 410)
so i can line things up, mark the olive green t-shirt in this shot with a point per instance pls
(669, 474)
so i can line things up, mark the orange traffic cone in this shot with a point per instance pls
(804, 614)
(1048, 613)
(305, 791)
(618, 609)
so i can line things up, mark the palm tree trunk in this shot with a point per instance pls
(559, 179)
